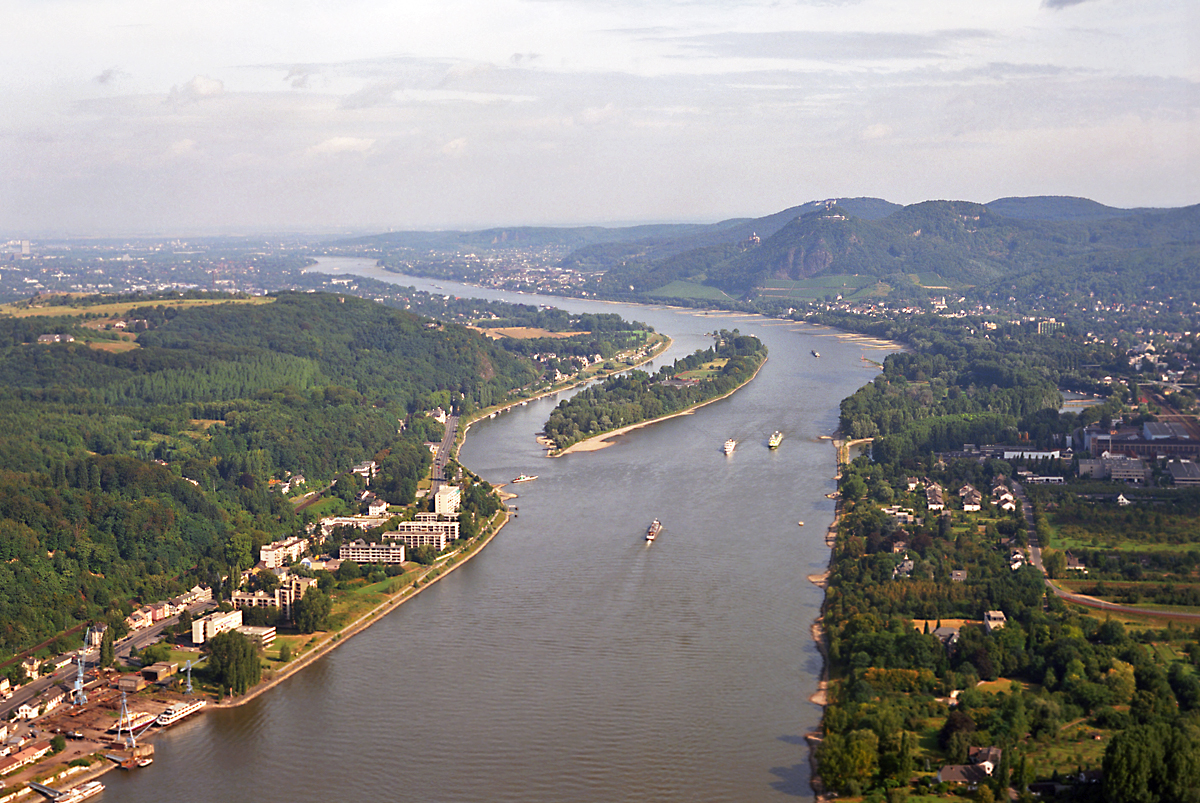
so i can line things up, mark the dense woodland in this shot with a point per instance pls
(130, 476)
(1059, 690)
(637, 396)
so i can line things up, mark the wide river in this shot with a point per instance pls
(571, 661)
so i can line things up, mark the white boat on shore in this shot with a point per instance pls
(81, 792)
(178, 711)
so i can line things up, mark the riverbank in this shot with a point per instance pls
(332, 640)
(820, 697)
(491, 412)
(604, 439)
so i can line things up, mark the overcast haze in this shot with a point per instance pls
(131, 116)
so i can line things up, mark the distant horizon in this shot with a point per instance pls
(342, 232)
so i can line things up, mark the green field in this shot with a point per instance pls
(848, 285)
(682, 289)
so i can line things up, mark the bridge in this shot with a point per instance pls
(53, 794)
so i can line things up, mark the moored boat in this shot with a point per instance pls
(81, 792)
(730, 445)
(654, 529)
(178, 711)
(132, 721)
(775, 439)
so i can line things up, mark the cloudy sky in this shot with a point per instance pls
(143, 116)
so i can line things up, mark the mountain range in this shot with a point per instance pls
(866, 247)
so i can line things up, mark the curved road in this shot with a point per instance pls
(1035, 557)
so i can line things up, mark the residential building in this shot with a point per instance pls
(366, 470)
(994, 620)
(428, 529)
(447, 500)
(24, 757)
(281, 553)
(969, 774)
(290, 589)
(948, 636)
(206, 627)
(361, 552)
(360, 522)
(262, 636)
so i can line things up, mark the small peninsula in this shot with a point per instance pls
(636, 398)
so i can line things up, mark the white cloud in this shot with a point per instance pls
(197, 89)
(184, 147)
(877, 131)
(341, 145)
(595, 115)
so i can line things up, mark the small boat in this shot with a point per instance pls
(800, 523)
(525, 478)
(654, 529)
(775, 439)
(816, 353)
(730, 445)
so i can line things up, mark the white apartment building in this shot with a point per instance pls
(426, 530)
(361, 552)
(290, 589)
(206, 627)
(280, 553)
(447, 500)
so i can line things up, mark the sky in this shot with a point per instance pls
(145, 117)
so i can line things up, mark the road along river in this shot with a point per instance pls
(571, 661)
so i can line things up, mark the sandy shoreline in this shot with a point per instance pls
(605, 439)
(817, 629)
(483, 416)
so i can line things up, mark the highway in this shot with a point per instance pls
(139, 638)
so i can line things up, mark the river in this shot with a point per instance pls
(571, 661)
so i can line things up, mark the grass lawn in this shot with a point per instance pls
(706, 371)
(682, 289)
(1073, 747)
(1005, 685)
(112, 346)
(329, 506)
(348, 606)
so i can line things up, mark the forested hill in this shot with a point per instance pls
(954, 242)
(133, 475)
